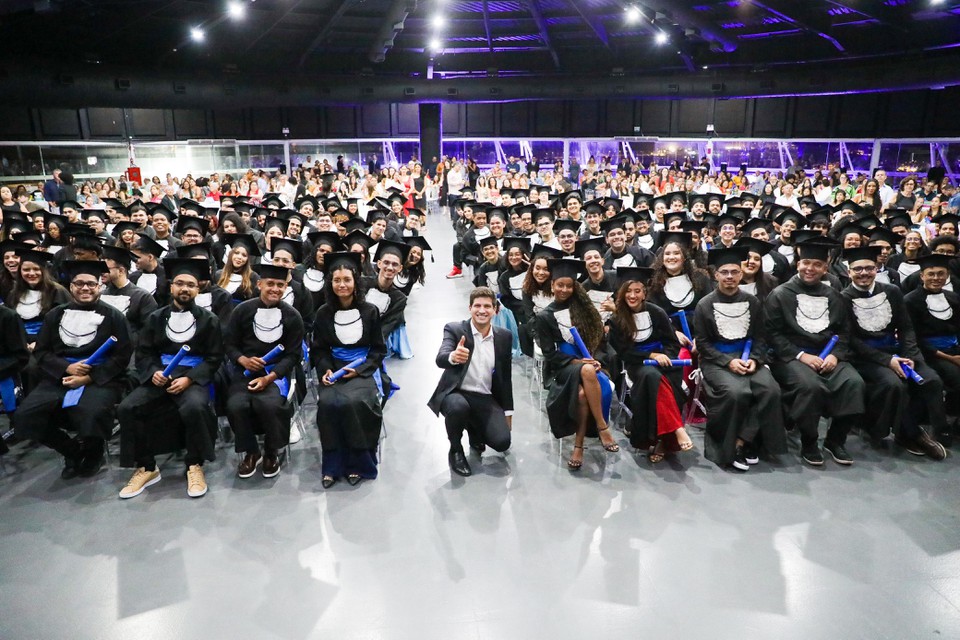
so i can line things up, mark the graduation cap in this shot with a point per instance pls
(820, 216)
(199, 269)
(199, 250)
(748, 199)
(497, 212)
(420, 241)
(809, 201)
(849, 205)
(846, 228)
(329, 238)
(753, 245)
(616, 222)
(355, 225)
(296, 215)
(186, 223)
(86, 214)
(124, 225)
(307, 199)
(637, 215)
(677, 196)
(543, 213)
(55, 219)
(341, 259)
(948, 218)
(868, 221)
(593, 244)
(77, 230)
(28, 236)
(682, 238)
(664, 200)
(733, 255)
(566, 268)
(12, 245)
(70, 204)
(934, 260)
(616, 203)
(566, 225)
(882, 234)
(112, 203)
(861, 253)
(566, 197)
(509, 243)
(714, 197)
(697, 198)
(791, 214)
(728, 218)
(273, 272)
(486, 242)
(244, 240)
(118, 255)
(693, 226)
(293, 247)
(543, 251)
(149, 245)
(15, 227)
(506, 192)
(753, 224)
(20, 216)
(74, 268)
(40, 258)
(668, 218)
(166, 213)
(521, 193)
(732, 201)
(816, 248)
(642, 198)
(400, 249)
(279, 223)
(272, 202)
(244, 207)
(195, 207)
(357, 237)
(634, 274)
(898, 220)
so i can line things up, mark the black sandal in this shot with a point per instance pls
(328, 481)
(353, 479)
(613, 447)
(575, 464)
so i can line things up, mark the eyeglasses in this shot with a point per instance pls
(866, 269)
(85, 284)
(724, 273)
(185, 285)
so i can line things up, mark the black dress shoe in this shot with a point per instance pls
(90, 465)
(838, 453)
(811, 455)
(70, 469)
(458, 463)
(479, 447)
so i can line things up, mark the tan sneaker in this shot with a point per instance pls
(196, 483)
(140, 480)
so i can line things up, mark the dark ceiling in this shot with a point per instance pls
(483, 37)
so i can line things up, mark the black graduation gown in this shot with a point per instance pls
(390, 303)
(602, 290)
(13, 353)
(349, 412)
(936, 321)
(653, 326)
(488, 275)
(313, 281)
(737, 406)
(510, 286)
(632, 256)
(298, 298)
(217, 301)
(682, 293)
(93, 414)
(134, 303)
(165, 430)
(32, 316)
(880, 328)
(800, 317)
(155, 284)
(561, 373)
(236, 296)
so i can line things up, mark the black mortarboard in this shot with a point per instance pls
(244, 240)
(682, 238)
(634, 274)
(272, 271)
(185, 223)
(734, 255)
(86, 214)
(935, 260)
(119, 255)
(357, 237)
(583, 246)
(339, 259)
(565, 268)
(898, 220)
(195, 207)
(566, 225)
(163, 211)
(74, 268)
(754, 246)
(293, 247)
(508, 243)
(882, 234)
(279, 223)
(497, 212)
(816, 248)
(70, 204)
(861, 253)
(199, 250)
(947, 217)
(616, 222)
(54, 218)
(693, 226)
(543, 213)
(329, 238)
(199, 269)
(488, 241)
(695, 198)
(420, 241)
(354, 225)
(791, 214)
(149, 245)
(307, 199)
(272, 202)
(399, 249)
(36, 257)
(124, 225)
(668, 218)
(544, 251)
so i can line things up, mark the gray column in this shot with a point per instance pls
(431, 130)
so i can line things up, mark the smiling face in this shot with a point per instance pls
(482, 310)
(343, 284)
(541, 272)
(673, 258)
(11, 262)
(594, 262)
(811, 270)
(933, 278)
(562, 289)
(390, 266)
(31, 273)
(238, 257)
(635, 296)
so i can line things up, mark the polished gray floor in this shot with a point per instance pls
(523, 549)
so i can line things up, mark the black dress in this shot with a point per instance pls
(349, 412)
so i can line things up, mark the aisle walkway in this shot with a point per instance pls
(523, 549)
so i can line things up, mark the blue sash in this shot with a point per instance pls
(186, 361)
(73, 396)
(939, 342)
(398, 343)
(606, 387)
(32, 327)
(730, 346)
(647, 346)
(8, 393)
(349, 354)
(886, 341)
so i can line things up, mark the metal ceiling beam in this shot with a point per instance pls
(264, 32)
(486, 24)
(882, 16)
(798, 23)
(325, 31)
(393, 24)
(533, 7)
(592, 22)
(708, 30)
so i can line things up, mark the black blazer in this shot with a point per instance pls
(453, 374)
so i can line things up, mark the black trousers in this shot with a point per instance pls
(811, 395)
(251, 413)
(480, 415)
(41, 415)
(888, 398)
(146, 430)
(950, 375)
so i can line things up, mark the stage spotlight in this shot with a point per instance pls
(197, 34)
(661, 38)
(435, 44)
(633, 14)
(236, 10)
(438, 21)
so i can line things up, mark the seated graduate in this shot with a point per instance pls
(475, 392)
(744, 409)
(389, 301)
(516, 261)
(537, 292)
(166, 331)
(621, 252)
(72, 393)
(488, 271)
(800, 317)
(754, 279)
(349, 409)
(311, 270)
(414, 273)
(132, 301)
(935, 316)
(237, 276)
(579, 393)
(257, 399)
(149, 275)
(600, 284)
(948, 245)
(883, 339)
(640, 330)
(678, 284)
(212, 297)
(14, 356)
(287, 253)
(35, 293)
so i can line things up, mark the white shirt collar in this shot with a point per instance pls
(477, 334)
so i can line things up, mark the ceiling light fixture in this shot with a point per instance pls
(235, 10)
(661, 38)
(435, 44)
(197, 34)
(438, 21)
(633, 14)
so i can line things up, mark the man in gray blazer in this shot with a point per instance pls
(475, 391)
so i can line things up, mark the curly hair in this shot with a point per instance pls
(332, 298)
(530, 286)
(696, 274)
(585, 317)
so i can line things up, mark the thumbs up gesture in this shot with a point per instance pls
(461, 354)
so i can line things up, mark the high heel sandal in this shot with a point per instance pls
(656, 453)
(328, 481)
(575, 464)
(353, 479)
(688, 444)
(613, 447)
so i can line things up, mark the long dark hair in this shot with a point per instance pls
(332, 298)
(49, 288)
(237, 221)
(585, 317)
(416, 272)
(530, 286)
(623, 315)
(697, 275)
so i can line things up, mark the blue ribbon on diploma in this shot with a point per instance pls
(339, 373)
(673, 363)
(830, 345)
(73, 396)
(175, 361)
(270, 355)
(910, 372)
(746, 350)
(581, 345)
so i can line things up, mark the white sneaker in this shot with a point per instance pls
(140, 480)
(295, 436)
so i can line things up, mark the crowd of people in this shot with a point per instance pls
(770, 309)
